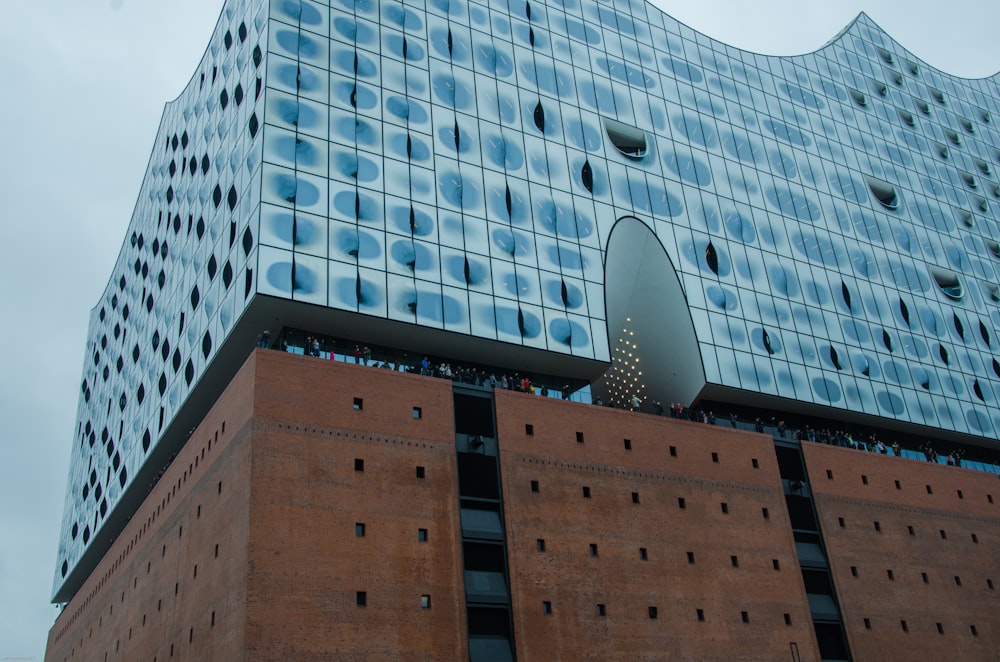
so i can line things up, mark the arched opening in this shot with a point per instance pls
(654, 349)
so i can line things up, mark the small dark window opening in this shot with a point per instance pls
(745, 616)
(644, 556)
(579, 437)
(925, 578)
(788, 619)
(359, 529)
(754, 463)
(681, 503)
(701, 614)
(359, 464)
(628, 444)
(725, 508)
(422, 535)
(829, 474)
(635, 497)
(890, 575)
(854, 571)
(864, 479)
(593, 549)
(601, 610)
(540, 545)
(359, 404)
(673, 451)
(766, 513)
(944, 536)
(909, 529)
(361, 598)
(735, 560)
(841, 522)
(868, 624)
(653, 613)
(878, 527)
(529, 429)
(534, 486)
(421, 472)
(899, 486)
(546, 607)
(586, 492)
(906, 628)
(418, 412)
(715, 458)
(690, 556)
(776, 564)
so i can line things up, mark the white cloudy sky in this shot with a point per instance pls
(83, 86)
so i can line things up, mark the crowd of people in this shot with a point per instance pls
(478, 376)
(475, 376)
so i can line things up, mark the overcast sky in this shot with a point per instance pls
(83, 87)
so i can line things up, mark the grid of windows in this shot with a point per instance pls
(832, 216)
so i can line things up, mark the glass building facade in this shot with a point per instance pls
(461, 167)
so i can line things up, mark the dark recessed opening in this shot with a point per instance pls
(884, 192)
(859, 97)
(628, 140)
(948, 281)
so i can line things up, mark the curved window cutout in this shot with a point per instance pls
(587, 176)
(835, 359)
(712, 258)
(922, 106)
(897, 78)
(959, 327)
(941, 149)
(937, 94)
(948, 281)
(887, 340)
(969, 179)
(846, 293)
(884, 192)
(981, 203)
(953, 137)
(880, 88)
(767, 342)
(992, 292)
(965, 218)
(993, 247)
(859, 97)
(996, 367)
(904, 311)
(540, 117)
(628, 140)
(967, 125)
(907, 117)
(943, 353)
(984, 333)
(886, 56)
(912, 67)
(978, 390)
(983, 166)
(984, 115)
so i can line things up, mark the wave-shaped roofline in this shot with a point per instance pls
(226, 8)
(862, 15)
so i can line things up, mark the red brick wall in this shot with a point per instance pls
(575, 582)
(958, 503)
(307, 564)
(143, 599)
